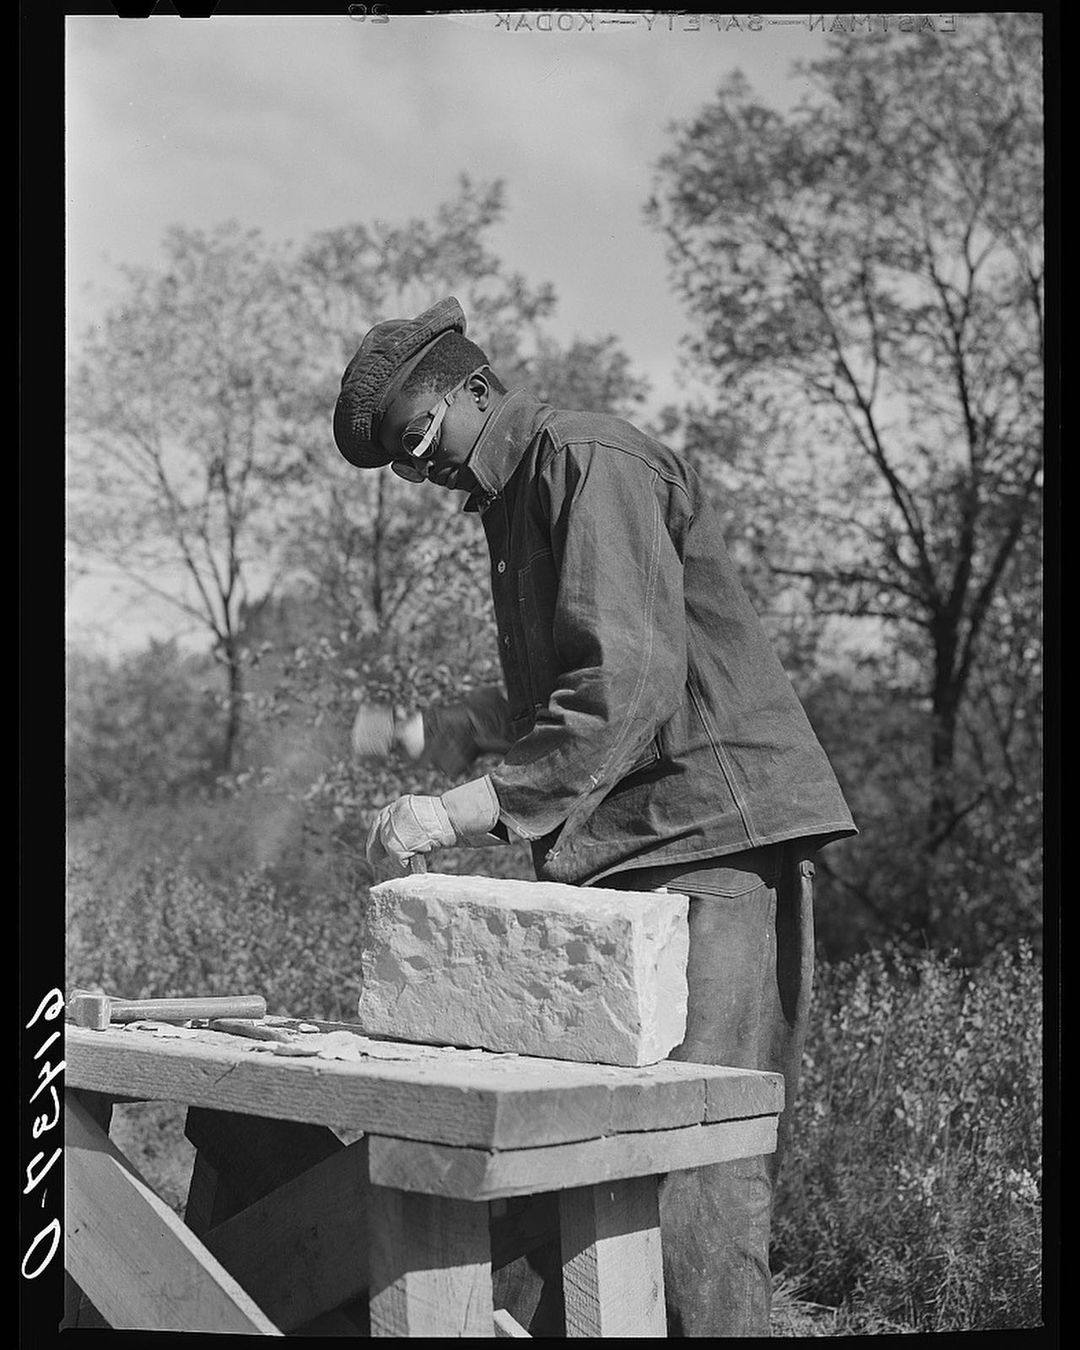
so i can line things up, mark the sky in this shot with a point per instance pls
(297, 124)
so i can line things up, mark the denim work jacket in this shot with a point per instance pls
(649, 720)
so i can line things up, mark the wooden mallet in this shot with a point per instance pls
(98, 1011)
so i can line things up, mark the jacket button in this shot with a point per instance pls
(502, 566)
(506, 639)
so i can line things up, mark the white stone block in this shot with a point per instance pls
(530, 967)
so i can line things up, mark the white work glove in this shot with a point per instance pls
(413, 824)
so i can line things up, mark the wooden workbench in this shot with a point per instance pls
(288, 1228)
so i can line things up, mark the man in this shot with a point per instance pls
(650, 736)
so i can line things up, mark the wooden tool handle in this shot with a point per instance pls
(183, 1009)
(417, 863)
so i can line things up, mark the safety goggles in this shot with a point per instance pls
(420, 437)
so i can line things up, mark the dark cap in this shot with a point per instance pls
(373, 378)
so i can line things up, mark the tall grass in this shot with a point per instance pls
(914, 1183)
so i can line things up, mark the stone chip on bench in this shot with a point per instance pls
(529, 967)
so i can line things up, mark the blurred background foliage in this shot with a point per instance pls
(864, 296)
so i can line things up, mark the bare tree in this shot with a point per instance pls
(183, 448)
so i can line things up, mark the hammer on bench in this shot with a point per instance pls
(97, 1011)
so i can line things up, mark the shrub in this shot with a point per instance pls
(914, 1181)
(140, 729)
(162, 934)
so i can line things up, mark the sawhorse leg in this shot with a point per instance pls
(78, 1310)
(613, 1277)
(140, 1264)
(430, 1265)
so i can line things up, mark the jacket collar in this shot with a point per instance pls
(502, 442)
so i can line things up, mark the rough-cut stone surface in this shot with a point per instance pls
(535, 968)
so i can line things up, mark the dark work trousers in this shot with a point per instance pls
(749, 973)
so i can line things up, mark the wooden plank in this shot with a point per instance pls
(138, 1263)
(546, 1106)
(313, 1227)
(733, 1094)
(83, 1314)
(399, 1096)
(430, 1266)
(481, 1174)
(454, 1097)
(507, 1325)
(613, 1277)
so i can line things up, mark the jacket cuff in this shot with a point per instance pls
(473, 809)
